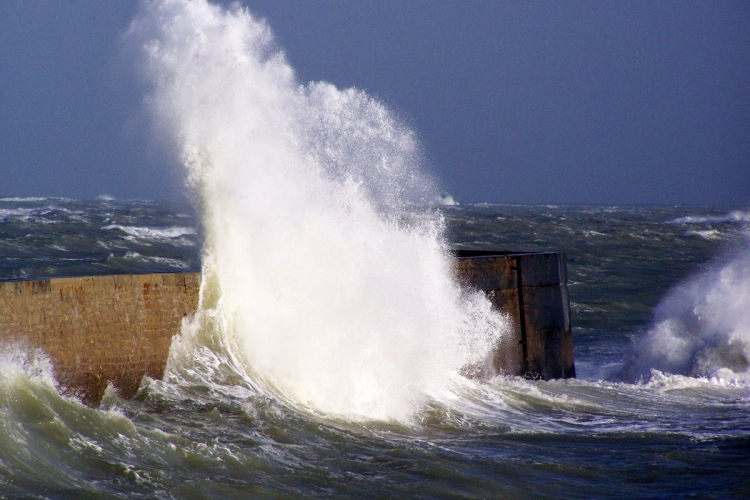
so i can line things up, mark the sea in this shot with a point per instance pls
(325, 356)
(660, 302)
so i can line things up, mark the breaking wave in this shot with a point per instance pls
(328, 288)
(702, 328)
(152, 232)
(735, 216)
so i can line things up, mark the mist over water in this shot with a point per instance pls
(332, 284)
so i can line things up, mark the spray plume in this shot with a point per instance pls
(335, 292)
(701, 328)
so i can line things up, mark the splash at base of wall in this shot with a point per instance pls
(118, 329)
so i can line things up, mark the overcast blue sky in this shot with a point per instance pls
(522, 102)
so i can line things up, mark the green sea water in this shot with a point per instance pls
(635, 424)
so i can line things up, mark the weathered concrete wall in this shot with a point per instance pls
(99, 329)
(532, 289)
(119, 328)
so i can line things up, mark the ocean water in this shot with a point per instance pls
(633, 425)
(325, 356)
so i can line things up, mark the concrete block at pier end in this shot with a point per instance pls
(531, 288)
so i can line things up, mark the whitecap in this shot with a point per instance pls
(709, 234)
(153, 232)
(735, 216)
(6, 213)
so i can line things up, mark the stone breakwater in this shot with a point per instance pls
(118, 329)
(99, 328)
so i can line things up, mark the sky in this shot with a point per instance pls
(514, 101)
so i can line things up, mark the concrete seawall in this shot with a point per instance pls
(119, 328)
(532, 289)
(100, 328)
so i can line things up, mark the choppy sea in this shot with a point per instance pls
(660, 300)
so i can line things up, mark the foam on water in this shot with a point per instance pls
(735, 216)
(152, 232)
(709, 234)
(136, 257)
(24, 200)
(7, 213)
(334, 294)
(20, 363)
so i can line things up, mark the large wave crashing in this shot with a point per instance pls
(702, 327)
(334, 292)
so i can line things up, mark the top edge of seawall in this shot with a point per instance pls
(469, 254)
(144, 275)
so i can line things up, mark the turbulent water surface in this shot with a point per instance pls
(634, 424)
(325, 356)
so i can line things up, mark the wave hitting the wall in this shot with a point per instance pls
(333, 287)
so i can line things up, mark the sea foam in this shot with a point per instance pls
(152, 232)
(334, 293)
(735, 216)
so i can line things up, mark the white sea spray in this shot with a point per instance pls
(337, 296)
(702, 327)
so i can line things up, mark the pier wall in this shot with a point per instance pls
(99, 328)
(531, 288)
(119, 328)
